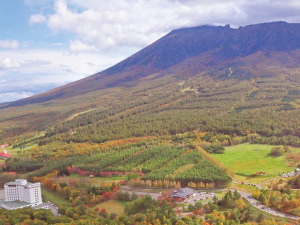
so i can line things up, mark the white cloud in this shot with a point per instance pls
(110, 24)
(9, 44)
(7, 63)
(37, 18)
(114, 23)
(35, 62)
(79, 46)
(49, 61)
(12, 96)
(38, 70)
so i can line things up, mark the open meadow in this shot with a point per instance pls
(247, 159)
(49, 195)
(112, 206)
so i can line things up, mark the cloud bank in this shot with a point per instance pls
(110, 24)
(9, 44)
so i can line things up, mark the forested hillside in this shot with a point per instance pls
(212, 79)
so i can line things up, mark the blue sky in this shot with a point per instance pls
(48, 43)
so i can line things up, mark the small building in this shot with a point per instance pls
(20, 193)
(4, 146)
(5, 155)
(291, 174)
(182, 193)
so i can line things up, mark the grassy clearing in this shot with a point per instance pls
(246, 159)
(243, 187)
(17, 151)
(73, 178)
(53, 197)
(74, 175)
(150, 190)
(100, 180)
(112, 206)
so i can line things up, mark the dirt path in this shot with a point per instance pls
(78, 114)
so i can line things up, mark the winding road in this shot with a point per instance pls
(262, 207)
(245, 195)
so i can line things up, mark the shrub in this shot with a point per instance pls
(277, 151)
(214, 149)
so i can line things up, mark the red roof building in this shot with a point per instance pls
(4, 155)
(3, 146)
(11, 173)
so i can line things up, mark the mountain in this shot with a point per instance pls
(215, 78)
(191, 50)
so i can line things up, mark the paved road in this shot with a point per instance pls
(267, 181)
(54, 209)
(247, 196)
(262, 207)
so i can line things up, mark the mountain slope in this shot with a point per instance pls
(233, 81)
(190, 49)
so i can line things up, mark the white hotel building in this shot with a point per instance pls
(20, 194)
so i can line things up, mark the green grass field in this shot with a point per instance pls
(16, 151)
(88, 180)
(243, 187)
(100, 180)
(53, 197)
(112, 206)
(246, 159)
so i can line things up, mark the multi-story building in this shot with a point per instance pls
(27, 193)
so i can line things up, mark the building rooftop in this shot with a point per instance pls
(6, 155)
(4, 145)
(21, 182)
(14, 183)
(14, 204)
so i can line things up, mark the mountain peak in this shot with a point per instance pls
(188, 51)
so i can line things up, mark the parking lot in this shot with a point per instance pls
(50, 206)
(53, 208)
(199, 196)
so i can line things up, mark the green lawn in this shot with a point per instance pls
(53, 197)
(246, 159)
(243, 187)
(112, 206)
(15, 151)
(100, 180)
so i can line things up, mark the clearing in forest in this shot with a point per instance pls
(248, 159)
